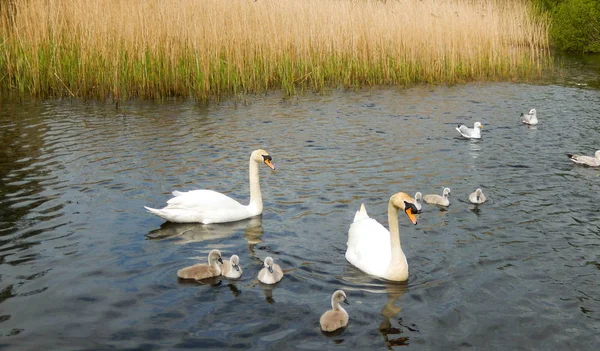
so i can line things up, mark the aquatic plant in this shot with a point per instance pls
(211, 48)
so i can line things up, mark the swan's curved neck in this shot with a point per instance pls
(214, 264)
(256, 203)
(394, 232)
(336, 305)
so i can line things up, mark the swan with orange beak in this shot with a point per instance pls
(376, 250)
(208, 206)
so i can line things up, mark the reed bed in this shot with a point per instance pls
(215, 48)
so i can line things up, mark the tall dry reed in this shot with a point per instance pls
(212, 48)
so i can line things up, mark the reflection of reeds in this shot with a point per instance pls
(156, 48)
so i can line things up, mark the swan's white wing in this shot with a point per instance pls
(369, 246)
(201, 199)
(202, 206)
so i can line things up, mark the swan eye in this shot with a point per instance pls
(410, 205)
(267, 158)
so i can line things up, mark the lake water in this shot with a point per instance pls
(84, 267)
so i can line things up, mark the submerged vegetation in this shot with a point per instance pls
(214, 48)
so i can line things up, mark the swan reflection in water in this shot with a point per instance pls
(392, 328)
(185, 233)
(268, 291)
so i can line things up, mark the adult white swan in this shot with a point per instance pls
(375, 250)
(208, 206)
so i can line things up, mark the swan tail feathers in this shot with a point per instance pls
(155, 211)
(175, 215)
(159, 212)
(362, 213)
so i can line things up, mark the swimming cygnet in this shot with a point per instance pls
(435, 199)
(231, 268)
(418, 198)
(336, 317)
(202, 270)
(271, 273)
(477, 197)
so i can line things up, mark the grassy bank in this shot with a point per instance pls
(575, 24)
(215, 48)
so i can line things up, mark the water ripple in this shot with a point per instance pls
(78, 253)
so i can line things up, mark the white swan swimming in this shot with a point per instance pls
(471, 133)
(336, 317)
(441, 200)
(202, 270)
(586, 160)
(375, 250)
(208, 206)
(530, 118)
(477, 197)
(271, 272)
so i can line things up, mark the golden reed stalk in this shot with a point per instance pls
(214, 48)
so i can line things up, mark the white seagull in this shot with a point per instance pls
(470, 133)
(530, 118)
(586, 160)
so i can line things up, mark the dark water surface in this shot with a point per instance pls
(84, 267)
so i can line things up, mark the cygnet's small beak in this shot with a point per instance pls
(220, 260)
(346, 301)
(237, 268)
(270, 269)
